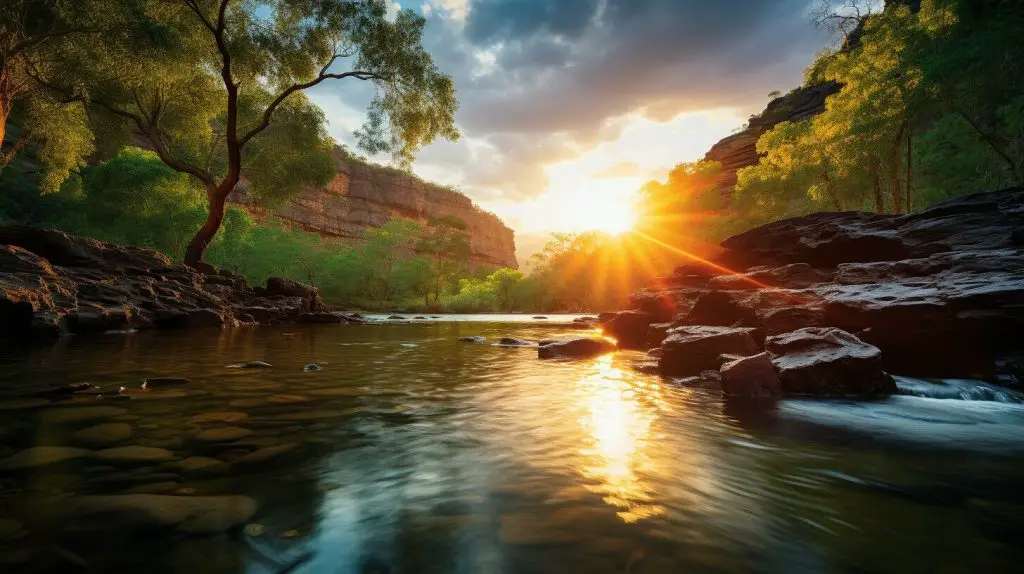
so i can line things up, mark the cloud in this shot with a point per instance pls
(622, 169)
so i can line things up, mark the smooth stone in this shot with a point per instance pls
(154, 488)
(80, 414)
(42, 456)
(286, 399)
(511, 342)
(201, 465)
(265, 454)
(222, 434)
(151, 395)
(474, 339)
(103, 435)
(312, 367)
(157, 382)
(19, 404)
(219, 417)
(251, 365)
(191, 514)
(134, 454)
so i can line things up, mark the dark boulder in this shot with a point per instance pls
(321, 318)
(750, 377)
(629, 328)
(473, 339)
(282, 287)
(689, 350)
(572, 348)
(828, 361)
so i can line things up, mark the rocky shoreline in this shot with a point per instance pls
(840, 298)
(53, 283)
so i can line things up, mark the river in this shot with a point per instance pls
(409, 452)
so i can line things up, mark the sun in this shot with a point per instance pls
(610, 216)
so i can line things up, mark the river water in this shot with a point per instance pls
(409, 452)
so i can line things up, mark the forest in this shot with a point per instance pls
(129, 140)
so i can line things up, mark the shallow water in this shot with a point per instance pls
(420, 454)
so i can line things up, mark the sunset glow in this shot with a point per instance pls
(612, 217)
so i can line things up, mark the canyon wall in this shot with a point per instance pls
(362, 196)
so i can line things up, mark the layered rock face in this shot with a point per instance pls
(52, 283)
(363, 196)
(740, 149)
(936, 293)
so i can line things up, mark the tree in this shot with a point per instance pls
(381, 258)
(506, 282)
(215, 88)
(445, 243)
(32, 31)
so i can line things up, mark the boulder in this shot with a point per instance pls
(750, 377)
(574, 348)
(629, 328)
(103, 435)
(161, 382)
(474, 339)
(321, 318)
(688, 350)
(282, 287)
(828, 361)
(41, 456)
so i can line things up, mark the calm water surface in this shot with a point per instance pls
(420, 454)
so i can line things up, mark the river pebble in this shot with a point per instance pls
(41, 456)
(222, 434)
(103, 435)
(134, 454)
(80, 414)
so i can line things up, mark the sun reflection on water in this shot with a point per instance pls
(620, 410)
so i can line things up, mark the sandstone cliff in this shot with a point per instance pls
(740, 149)
(362, 196)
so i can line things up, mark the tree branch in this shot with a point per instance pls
(361, 75)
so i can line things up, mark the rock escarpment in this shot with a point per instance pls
(363, 196)
(52, 283)
(740, 149)
(934, 293)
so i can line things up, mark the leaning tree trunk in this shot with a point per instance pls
(217, 198)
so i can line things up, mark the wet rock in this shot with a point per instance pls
(396, 318)
(419, 318)
(312, 367)
(321, 318)
(539, 317)
(578, 347)
(73, 415)
(154, 488)
(474, 339)
(219, 417)
(688, 350)
(161, 382)
(22, 404)
(510, 342)
(750, 377)
(66, 390)
(828, 361)
(200, 466)
(266, 454)
(192, 515)
(629, 328)
(656, 333)
(41, 456)
(222, 434)
(134, 455)
(251, 365)
(103, 435)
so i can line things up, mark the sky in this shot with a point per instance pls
(568, 106)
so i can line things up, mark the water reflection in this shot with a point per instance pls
(621, 410)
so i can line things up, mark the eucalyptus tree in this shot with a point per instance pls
(216, 89)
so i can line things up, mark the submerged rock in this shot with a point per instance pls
(312, 367)
(251, 365)
(222, 434)
(103, 435)
(159, 382)
(750, 377)
(134, 455)
(473, 339)
(191, 514)
(579, 347)
(41, 456)
(219, 417)
(72, 415)
(828, 361)
(688, 350)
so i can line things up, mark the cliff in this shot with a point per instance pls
(362, 196)
(740, 149)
